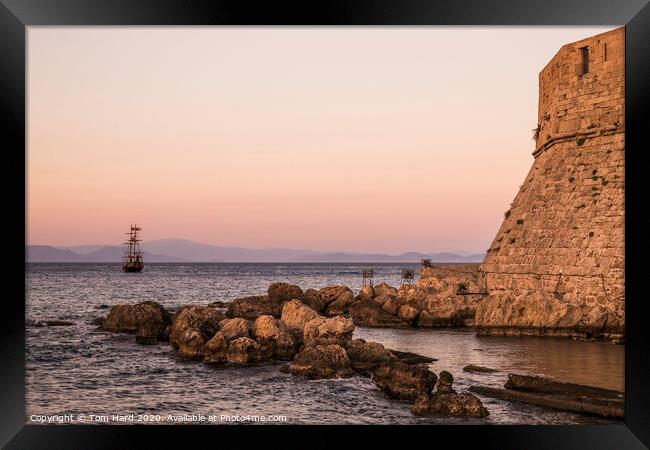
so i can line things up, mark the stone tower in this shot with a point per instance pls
(556, 265)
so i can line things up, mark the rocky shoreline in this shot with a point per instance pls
(283, 326)
(311, 331)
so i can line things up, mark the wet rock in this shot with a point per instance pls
(324, 331)
(321, 361)
(449, 405)
(282, 292)
(243, 350)
(295, 316)
(584, 404)
(367, 293)
(276, 341)
(368, 356)
(219, 304)
(407, 313)
(478, 369)
(252, 307)
(235, 328)
(216, 349)
(412, 358)
(58, 323)
(311, 298)
(404, 381)
(547, 385)
(369, 314)
(385, 289)
(445, 380)
(103, 306)
(147, 319)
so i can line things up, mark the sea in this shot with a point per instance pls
(81, 371)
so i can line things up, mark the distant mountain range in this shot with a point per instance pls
(181, 250)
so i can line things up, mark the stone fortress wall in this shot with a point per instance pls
(556, 265)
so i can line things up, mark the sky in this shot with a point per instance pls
(376, 139)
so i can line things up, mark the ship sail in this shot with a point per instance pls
(132, 260)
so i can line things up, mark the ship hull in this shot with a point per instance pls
(132, 268)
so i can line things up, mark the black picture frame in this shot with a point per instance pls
(16, 15)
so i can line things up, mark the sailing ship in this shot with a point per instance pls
(132, 260)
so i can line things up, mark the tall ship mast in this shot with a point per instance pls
(132, 260)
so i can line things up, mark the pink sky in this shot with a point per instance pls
(359, 139)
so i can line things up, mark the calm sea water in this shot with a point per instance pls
(81, 370)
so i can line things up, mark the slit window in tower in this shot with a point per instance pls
(584, 55)
(605, 50)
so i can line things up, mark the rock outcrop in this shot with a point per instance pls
(274, 338)
(331, 330)
(404, 381)
(148, 320)
(322, 361)
(311, 298)
(368, 313)
(193, 326)
(283, 292)
(252, 307)
(365, 357)
(337, 299)
(446, 402)
(295, 315)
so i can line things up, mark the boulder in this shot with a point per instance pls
(148, 320)
(190, 344)
(321, 361)
(252, 307)
(385, 289)
(323, 331)
(282, 292)
(332, 293)
(445, 380)
(311, 297)
(391, 306)
(412, 358)
(275, 339)
(381, 299)
(478, 369)
(404, 381)
(411, 294)
(235, 328)
(202, 319)
(243, 350)
(367, 292)
(447, 310)
(340, 305)
(407, 313)
(295, 316)
(449, 405)
(368, 313)
(367, 356)
(216, 349)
